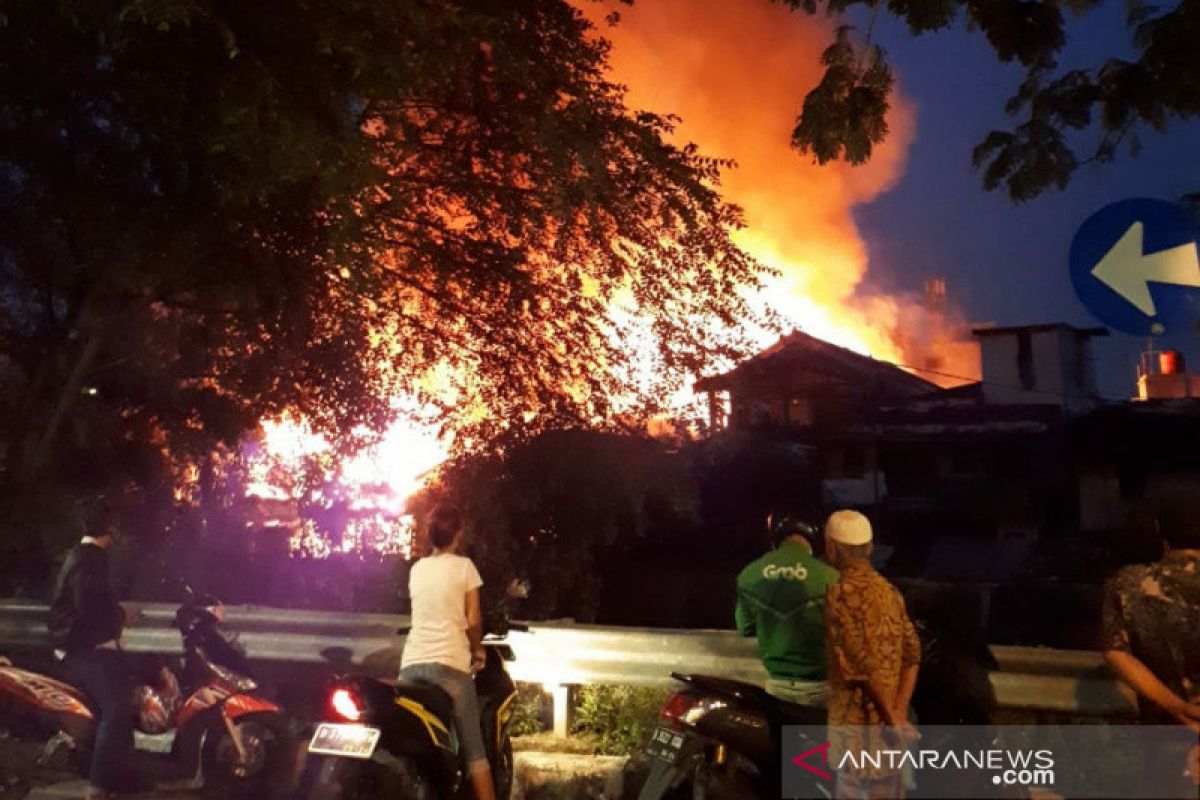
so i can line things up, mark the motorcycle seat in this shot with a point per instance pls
(794, 714)
(431, 696)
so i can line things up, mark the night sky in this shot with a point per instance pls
(1007, 263)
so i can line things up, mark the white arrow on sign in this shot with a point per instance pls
(1129, 271)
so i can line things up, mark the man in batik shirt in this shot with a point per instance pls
(873, 658)
(1152, 627)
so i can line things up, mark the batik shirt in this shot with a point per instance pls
(868, 637)
(1153, 612)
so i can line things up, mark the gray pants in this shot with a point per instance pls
(461, 688)
(814, 694)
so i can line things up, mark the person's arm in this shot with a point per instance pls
(1118, 652)
(744, 617)
(474, 625)
(910, 664)
(1139, 677)
(472, 582)
(904, 692)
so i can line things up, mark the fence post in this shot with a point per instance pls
(563, 712)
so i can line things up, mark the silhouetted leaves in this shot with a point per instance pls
(1029, 31)
(846, 115)
(1111, 100)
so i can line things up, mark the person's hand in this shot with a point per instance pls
(902, 732)
(1186, 713)
(900, 729)
(478, 660)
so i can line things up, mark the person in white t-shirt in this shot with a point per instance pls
(444, 646)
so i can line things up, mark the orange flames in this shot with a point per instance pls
(736, 73)
(373, 485)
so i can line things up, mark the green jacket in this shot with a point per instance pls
(781, 599)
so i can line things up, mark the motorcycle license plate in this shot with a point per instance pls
(665, 745)
(349, 741)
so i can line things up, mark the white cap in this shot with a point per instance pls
(848, 527)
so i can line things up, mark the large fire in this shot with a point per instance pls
(369, 489)
(736, 74)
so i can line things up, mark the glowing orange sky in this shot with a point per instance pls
(737, 74)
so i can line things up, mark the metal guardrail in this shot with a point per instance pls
(1030, 679)
(560, 654)
(268, 634)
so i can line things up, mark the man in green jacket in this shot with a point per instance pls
(781, 600)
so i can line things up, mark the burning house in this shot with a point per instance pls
(804, 383)
(985, 459)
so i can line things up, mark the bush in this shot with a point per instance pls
(529, 710)
(619, 718)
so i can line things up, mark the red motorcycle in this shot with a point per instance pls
(208, 727)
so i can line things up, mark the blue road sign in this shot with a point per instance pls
(1134, 264)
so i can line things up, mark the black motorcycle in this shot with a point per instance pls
(394, 738)
(719, 738)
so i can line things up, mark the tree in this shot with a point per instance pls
(564, 509)
(845, 114)
(212, 212)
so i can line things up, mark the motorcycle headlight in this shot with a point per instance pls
(239, 682)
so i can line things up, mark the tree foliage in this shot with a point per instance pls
(846, 114)
(594, 519)
(212, 212)
(564, 510)
(1064, 119)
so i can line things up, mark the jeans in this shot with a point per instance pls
(103, 676)
(461, 688)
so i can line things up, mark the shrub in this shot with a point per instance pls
(619, 718)
(529, 710)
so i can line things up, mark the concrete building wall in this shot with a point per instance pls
(1038, 367)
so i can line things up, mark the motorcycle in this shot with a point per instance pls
(720, 738)
(394, 738)
(213, 730)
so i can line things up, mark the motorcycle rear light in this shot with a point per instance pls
(677, 708)
(346, 705)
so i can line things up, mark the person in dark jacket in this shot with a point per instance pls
(85, 628)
